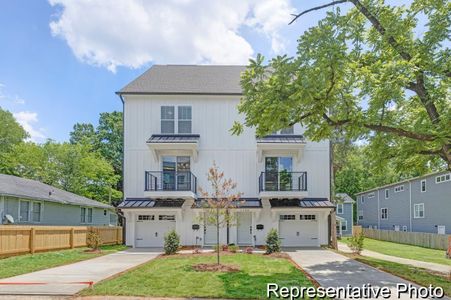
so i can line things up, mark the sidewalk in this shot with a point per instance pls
(444, 269)
(70, 279)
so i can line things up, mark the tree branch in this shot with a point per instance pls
(296, 16)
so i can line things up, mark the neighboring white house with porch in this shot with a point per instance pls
(177, 121)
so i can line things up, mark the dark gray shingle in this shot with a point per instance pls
(187, 79)
(26, 188)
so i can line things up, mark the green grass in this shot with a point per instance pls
(414, 274)
(16, 265)
(405, 251)
(173, 276)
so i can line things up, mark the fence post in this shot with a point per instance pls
(32, 238)
(72, 236)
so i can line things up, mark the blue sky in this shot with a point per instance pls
(61, 61)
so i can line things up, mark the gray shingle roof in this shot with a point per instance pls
(173, 138)
(302, 203)
(27, 188)
(282, 138)
(187, 79)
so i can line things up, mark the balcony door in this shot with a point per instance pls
(278, 176)
(176, 173)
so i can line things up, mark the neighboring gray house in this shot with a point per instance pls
(421, 204)
(344, 214)
(32, 202)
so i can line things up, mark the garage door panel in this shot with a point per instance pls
(150, 233)
(298, 233)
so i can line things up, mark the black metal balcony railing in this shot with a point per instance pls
(282, 181)
(170, 181)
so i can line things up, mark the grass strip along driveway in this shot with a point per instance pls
(17, 265)
(173, 276)
(405, 251)
(414, 274)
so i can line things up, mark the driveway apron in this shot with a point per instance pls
(331, 269)
(70, 279)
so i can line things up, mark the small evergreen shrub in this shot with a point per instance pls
(93, 240)
(233, 248)
(272, 242)
(356, 243)
(171, 242)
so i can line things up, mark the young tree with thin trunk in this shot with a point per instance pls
(218, 203)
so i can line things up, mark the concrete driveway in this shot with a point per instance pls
(331, 269)
(70, 279)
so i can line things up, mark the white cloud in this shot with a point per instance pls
(132, 33)
(28, 119)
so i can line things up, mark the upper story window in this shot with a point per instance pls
(443, 178)
(362, 199)
(340, 208)
(370, 195)
(423, 185)
(399, 188)
(386, 193)
(169, 115)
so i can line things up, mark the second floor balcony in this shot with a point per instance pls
(282, 184)
(182, 184)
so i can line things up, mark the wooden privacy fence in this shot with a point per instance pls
(17, 239)
(422, 239)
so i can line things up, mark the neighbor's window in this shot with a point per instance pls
(386, 193)
(399, 188)
(24, 211)
(423, 185)
(370, 195)
(418, 210)
(344, 225)
(443, 178)
(362, 199)
(89, 215)
(83, 215)
(384, 213)
(288, 130)
(361, 215)
(184, 119)
(167, 119)
(36, 212)
(340, 208)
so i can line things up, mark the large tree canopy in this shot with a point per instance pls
(375, 73)
(11, 133)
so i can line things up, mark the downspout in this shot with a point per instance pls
(410, 205)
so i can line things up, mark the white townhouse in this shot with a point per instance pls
(177, 121)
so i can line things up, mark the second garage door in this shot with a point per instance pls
(151, 229)
(298, 230)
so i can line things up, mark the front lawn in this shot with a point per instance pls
(414, 274)
(405, 251)
(173, 276)
(16, 265)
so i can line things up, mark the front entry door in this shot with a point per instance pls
(244, 228)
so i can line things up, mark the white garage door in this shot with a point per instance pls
(150, 229)
(298, 230)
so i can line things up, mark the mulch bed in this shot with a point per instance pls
(215, 268)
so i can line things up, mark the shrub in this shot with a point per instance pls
(215, 247)
(171, 242)
(272, 242)
(356, 243)
(249, 250)
(233, 248)
(93, 240)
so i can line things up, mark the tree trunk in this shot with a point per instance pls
(217, 233)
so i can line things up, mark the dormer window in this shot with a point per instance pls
(288, 130)
(183, 116)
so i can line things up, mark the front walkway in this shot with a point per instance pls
(70, 279)
(331, 269)
(444, 269)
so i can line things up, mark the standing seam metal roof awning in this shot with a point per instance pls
(151, 203)
(174, 138)
(302, 203)
(242, 203)
(282, 138)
